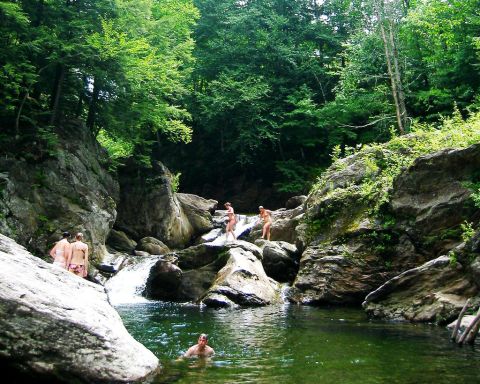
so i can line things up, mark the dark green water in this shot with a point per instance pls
(298, 344)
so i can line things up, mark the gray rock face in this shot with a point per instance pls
(283, 226)
(280, 259)
(242, 281)
(335, 275)
(434, 292)
(431, 198)
(68, 192)
(295, 201)
(428, 203)
(149, 207)
(219, 275)
(152, 246)
(57, 326)
(119, 241)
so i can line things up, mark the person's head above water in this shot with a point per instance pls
(203, 339)
(66, 235)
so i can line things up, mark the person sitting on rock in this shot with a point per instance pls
(201, 349)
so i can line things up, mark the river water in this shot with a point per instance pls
(297, 344)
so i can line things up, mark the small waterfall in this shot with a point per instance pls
(127, 285)
(244, 224)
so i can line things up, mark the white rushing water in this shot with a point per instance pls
(127, 285)
(244, 224)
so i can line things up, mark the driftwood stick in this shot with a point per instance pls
(459, 321)
(470, 339)
(469, 328)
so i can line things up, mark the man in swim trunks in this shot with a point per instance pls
(201, 349)
(61, 251)
(231, 221)
(78, 260)
(266, 215)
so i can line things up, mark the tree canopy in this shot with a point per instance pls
(258, 89)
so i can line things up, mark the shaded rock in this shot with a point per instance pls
(152, 246)
(280, 259)
(149, 207)
(295, 201)
(70, 190)
(163, 281)
(434, 292)
(332, 274)
(57, 327)
(198, 212)
(431, 198)
(242, 281)
(119, 241)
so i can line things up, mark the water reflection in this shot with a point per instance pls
(296, 344)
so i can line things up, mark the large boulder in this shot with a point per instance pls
(431, 199)
(433, 292)
(119, 241)
(280, 259)
(70, 190)
(149, 207)
(242, 282)
(336, 274)
(284, 223)
(152, 246)
(57, 327)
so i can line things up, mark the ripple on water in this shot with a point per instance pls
(291, 344)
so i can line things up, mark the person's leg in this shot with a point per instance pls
(268, 230)
(264, 230)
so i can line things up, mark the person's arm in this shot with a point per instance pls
(86, 260)
(52, 251)
(69, 254)
(189, 352)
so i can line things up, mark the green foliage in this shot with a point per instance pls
(384, 162)
(453, 258)
(175, 181)
(467, 231)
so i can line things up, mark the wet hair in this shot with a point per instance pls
(260, 207)
(66, 234)
(227, 203)
(203, 335)
(79, 235)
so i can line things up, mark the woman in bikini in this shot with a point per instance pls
(61, 251)
(231, 221)
(78, 260)
(266, 215)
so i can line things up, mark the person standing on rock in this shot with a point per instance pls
(78, 260)
(266, 216)
(61, 251)
(201, 349)
(231, 221)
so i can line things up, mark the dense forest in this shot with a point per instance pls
(262, 90)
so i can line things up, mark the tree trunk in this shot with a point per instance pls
(56, 94)
(459, 320)
(92, 108)
(398, 78)
(388, 57)
(19, 113)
